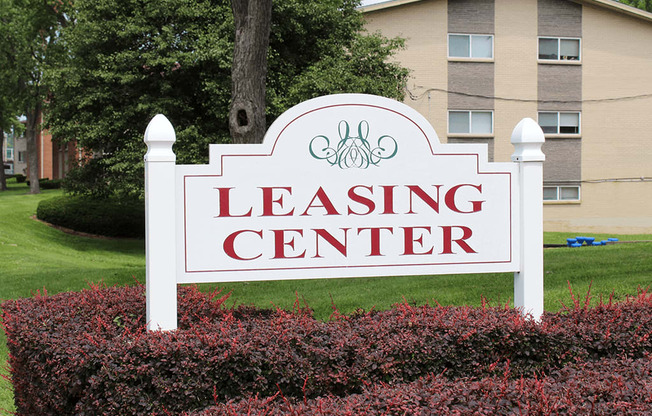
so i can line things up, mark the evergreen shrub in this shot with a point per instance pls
(50, 183)
(106, 217)
(46, 183)
(18, 176)
(89, 353)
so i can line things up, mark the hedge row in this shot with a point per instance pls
(615, 387)
(44, 183)
(107, 217)
(88, 353)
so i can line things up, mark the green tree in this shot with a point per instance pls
(129, 60)
(8, 84)
(641, 4)
(31, 31)
(7, 113)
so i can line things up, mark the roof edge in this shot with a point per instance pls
(619, 7)
(606, 4)
(385, 5)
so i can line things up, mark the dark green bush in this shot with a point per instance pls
(107, 217)
(50, 184)
(46, 183)
(20, 178)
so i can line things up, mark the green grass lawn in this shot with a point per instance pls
(34, 256)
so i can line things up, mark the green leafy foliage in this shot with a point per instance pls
(45, 183)
(30, 42)
(641, 4)
(129, 60)
(9, 80)
(107, 217)
(30, 33)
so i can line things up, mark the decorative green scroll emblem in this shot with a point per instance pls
(353, 151)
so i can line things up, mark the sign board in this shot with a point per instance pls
(345, 187)
(342, 186)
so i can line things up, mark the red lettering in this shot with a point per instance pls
(416, 190)
(409, 240)
(336, 244)
(280, 244)
(375, 239)
(448, 239)
(325, 203)
(450, 199)
(361, 200)
(224, 204)
(269, 201)
(229, 244)
(388, 199)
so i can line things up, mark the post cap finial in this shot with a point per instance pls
(527, 131)
(160, 129)
(527, 139)
(159, 138)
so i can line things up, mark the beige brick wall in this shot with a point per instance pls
(616, 139)
(420, 23)
(515, 70)
(473, 78)
(616, 135)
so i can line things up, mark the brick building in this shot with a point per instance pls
(580, 67)
(55, 159)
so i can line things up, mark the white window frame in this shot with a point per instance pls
(471, 133)
(559, 56)
(470, 57)
(559, 113)
(558, 189)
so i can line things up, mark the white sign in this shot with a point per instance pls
(345, 186)
(342, 186)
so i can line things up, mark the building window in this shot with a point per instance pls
(21, 156)
(9, 154)
(470, 122)
(470, 46)
(559, 122)
(559, 49)
(561, 193)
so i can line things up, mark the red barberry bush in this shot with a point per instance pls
(603, 387)
(89, 353)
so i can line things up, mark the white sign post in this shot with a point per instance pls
(342, 186)
(160, 234)
(527, 139)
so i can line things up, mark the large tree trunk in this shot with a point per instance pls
(252, 25)
(3, 180)
(31, 132)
